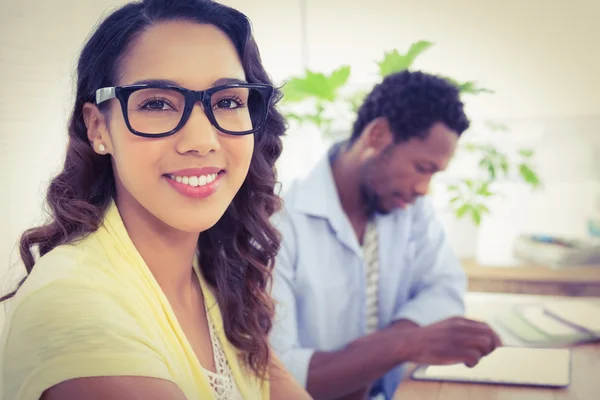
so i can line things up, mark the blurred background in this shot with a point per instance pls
(530, 165)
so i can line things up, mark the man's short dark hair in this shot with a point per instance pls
(412, 102)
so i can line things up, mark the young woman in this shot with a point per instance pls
(155, 266)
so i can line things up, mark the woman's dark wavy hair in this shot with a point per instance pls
(236, 255)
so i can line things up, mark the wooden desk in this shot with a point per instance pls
(585, 370)
(533, 279)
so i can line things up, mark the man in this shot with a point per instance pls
(365, 279)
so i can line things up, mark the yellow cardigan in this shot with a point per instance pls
(94, 309)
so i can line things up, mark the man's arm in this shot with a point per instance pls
(352, 370)
(455, 340)
(439, 281)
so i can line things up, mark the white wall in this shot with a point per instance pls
(540, 55)
(39, 43)
(542, 60)
(277, 29)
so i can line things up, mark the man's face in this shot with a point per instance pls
(401, 172)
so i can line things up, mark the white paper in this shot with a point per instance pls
(537, 316)
(512, 365)
(579, 312)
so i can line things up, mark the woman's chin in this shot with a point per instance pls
(195, 225)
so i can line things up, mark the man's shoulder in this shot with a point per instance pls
(293, 199)
(290, 212)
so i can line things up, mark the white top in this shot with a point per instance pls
(222, 382)
(371, 254)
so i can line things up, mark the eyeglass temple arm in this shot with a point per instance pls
(104, 94)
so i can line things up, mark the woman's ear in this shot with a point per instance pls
(97, 130)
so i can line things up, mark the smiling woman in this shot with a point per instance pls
(154, 267)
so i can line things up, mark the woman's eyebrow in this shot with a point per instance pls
(226, 81)
(156, 82)
(220, 81)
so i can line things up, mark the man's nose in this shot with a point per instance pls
(422, 186)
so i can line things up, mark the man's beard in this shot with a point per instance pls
(371, 200)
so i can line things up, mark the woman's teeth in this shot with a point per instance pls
(194, 181)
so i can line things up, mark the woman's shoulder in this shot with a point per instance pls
(72, 321)
(81, 264)
(71, 296)
(67, 279)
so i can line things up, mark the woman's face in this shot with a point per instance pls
(186, 180)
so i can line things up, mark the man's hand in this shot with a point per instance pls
(451, 341)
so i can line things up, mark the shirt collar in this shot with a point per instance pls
(317, 195)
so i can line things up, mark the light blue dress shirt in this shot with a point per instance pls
(319, 277)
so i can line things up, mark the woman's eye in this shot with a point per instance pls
(227, 103)
(156, 105)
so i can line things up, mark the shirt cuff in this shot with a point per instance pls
(426, 312)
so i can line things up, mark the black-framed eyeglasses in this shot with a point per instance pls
(159, 110)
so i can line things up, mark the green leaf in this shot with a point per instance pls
(476, 216)
(469, 87)
(454, 199)
(339, 77)
(301, 88)
(293, 91)
(392, 62)
(527, 153)
(293, 116)
(416, 49)
(453, 188)
(497, 126)
(315, 119)
(487, 165)
(315, 85)
(472, 147)
(484, 190)
(469, 183)
(462, 210)
(320, 107)
(529, 175)
(356, 99)
(483, 209)
(504, 167)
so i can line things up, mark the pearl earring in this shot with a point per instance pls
(101, 148)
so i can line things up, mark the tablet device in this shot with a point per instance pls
(507, 366)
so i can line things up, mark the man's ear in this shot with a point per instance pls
(97, 130)
(378, 135)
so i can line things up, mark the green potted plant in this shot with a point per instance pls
(323, 99)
